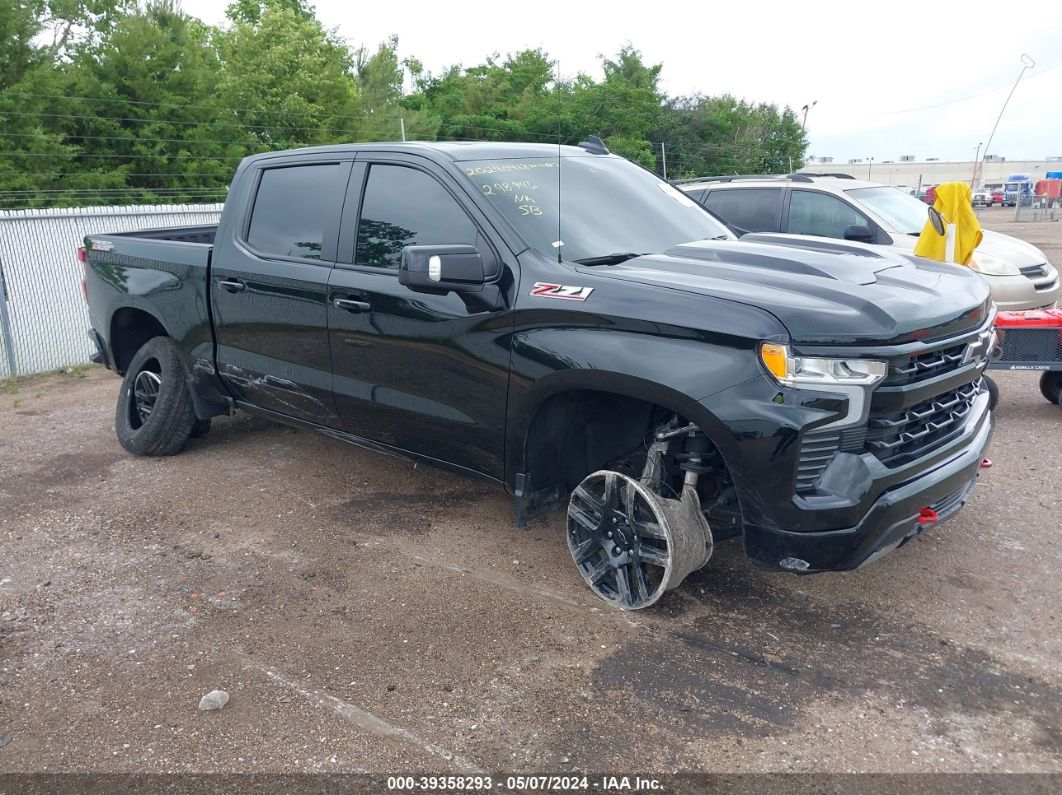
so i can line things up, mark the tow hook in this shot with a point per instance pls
(927, 516)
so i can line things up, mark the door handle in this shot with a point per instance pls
(232, 285)
(350, 305)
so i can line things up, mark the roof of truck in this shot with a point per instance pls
(452, 150)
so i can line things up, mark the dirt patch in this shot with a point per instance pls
(69, 469)
(365, 614)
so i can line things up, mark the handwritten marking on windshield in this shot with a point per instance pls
(566, 292)
(500, 168)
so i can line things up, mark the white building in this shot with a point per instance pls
(910, 174)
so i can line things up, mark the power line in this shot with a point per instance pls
(161, 156)
(127, 138)
(967, 98)
(266, 127)
(113, 173)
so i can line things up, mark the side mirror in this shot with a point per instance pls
(859, 233)
(441, 269)
(937, 220)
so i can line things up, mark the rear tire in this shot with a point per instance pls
(154, 416)
(1051, 386)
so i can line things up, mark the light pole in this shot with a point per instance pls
(1026, 64)
(870, 166)
(806, 108)
(973, 177)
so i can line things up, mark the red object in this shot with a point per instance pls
(931, 194)
(1051, 188)
(1030, 318)
(927, 516)
(986, 463)
(82, 257)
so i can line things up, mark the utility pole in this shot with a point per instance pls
(1027, 63)
(806, 108)
(973, 177)
(663, 154)
(402, 121)
(870, 165)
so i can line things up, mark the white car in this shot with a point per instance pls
(839, 206)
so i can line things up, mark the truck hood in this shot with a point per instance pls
(837, 294)
(1004, 247)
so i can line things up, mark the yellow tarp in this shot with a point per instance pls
(953, 203)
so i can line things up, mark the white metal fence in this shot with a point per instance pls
(43, 317)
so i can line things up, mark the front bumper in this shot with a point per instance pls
(892, 520)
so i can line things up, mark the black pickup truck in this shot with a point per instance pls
(564, 324)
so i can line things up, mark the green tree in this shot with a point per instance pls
(250, 11)
(288, 80)
(380, 101)
(724, 135)
(37, 38)
(153, 124)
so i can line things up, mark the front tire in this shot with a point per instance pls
(993, 393)
(154, 416)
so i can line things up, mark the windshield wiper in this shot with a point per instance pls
(610, 259)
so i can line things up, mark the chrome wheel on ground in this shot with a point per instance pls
(625, 546)
(146, 388)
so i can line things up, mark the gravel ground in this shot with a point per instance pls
(368, 615)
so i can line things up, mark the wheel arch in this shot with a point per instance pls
(578, 421)
(130, 328)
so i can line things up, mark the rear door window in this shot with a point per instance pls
(747, 209)
(295, 207)
(814, 213)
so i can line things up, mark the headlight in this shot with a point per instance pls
(992, 266)
(812, 370)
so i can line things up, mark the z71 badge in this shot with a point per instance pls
(564, 291)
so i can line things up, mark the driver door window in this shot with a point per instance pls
(820, 214)
(406, 207)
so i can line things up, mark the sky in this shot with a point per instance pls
(889, 78)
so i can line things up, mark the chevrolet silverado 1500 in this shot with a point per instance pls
(562, 323)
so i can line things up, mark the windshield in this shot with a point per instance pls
(902, 210)
(606, 206)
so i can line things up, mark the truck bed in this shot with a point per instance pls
(175, 234)
(187, 246)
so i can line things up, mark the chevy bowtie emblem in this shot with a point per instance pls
(977, 352)
(563, 291)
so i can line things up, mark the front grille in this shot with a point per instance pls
(918, 367)
(898, 430)
(913, 432)
(1034, 271)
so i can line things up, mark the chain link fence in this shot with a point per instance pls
(1038, 208)
(43, 316)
